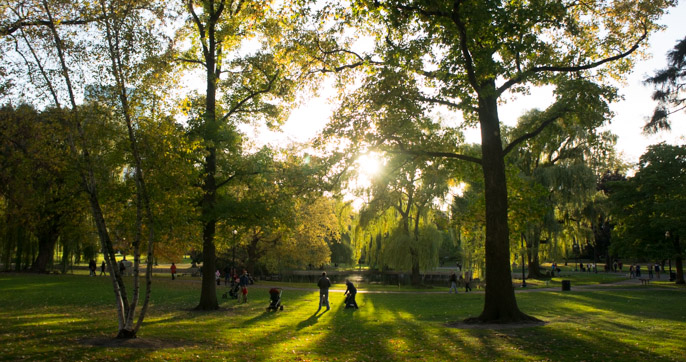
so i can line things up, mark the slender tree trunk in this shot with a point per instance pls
(678, 260)
(88, 177)
(20, 237)
(142, 198)
(500, 305)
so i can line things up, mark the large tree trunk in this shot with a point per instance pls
(47, 238)
(500, 305)
(208, 294)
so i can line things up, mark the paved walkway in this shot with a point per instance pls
(606, 286)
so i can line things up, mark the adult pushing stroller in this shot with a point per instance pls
(350, 293)
(234, 288)
(275, 299)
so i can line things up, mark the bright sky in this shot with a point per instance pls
(630, 114)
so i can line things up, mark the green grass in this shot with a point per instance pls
(46, 317)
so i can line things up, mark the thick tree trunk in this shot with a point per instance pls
(416, 276)
(500, 305)
(47, 238)
(534, 260)
(208, 292)
(253, 255)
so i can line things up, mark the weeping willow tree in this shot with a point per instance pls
(423, 247)
(402, 200)
(552, 177)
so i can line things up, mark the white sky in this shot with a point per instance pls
(630, 114)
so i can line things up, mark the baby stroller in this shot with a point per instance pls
(350, 301)
(233, 291)
(275, 299)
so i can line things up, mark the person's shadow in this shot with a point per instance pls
(312, 320)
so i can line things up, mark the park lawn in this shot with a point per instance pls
(50, 317)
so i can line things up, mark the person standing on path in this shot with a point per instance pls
(324, 284)
(102, 268)
(173, 271)
(453, 283)
(243, 283)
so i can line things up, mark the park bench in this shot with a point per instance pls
(644, 281)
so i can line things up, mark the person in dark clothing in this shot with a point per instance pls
(227, 275)
(324, 284)
(350, 291)
(102, 268)
(92, 266)
(453, 283)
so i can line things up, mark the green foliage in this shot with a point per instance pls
(398, 248)
(651, 204)
(669, 93)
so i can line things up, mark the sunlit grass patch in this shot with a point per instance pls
(613, 324)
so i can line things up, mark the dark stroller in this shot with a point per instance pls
(275, 299)
(350, 301)
(233, 291)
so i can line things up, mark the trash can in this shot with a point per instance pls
(672, 276)
(566, 285)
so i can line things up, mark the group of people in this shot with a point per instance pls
(635, 270)
(92, 267)
(324, 283)
(462, 280)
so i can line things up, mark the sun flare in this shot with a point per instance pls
(369, 164)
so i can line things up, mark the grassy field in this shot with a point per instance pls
(71, 317)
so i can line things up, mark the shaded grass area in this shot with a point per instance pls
(49, 317)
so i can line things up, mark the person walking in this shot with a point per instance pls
(453, 283)
(173, 271)
(467, 281)
(122, 267)
(324, 284)
(350, 291)
(92, 267)
(243, 283)
(102, 268)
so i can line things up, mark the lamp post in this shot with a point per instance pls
(575, 248)
(523, 252)
(233, 250)
(667, 235)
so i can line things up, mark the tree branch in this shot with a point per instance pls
(250, 96)
(549, 68)
(191, 61)
(469, 62)
(533, 133)
(11, 28)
